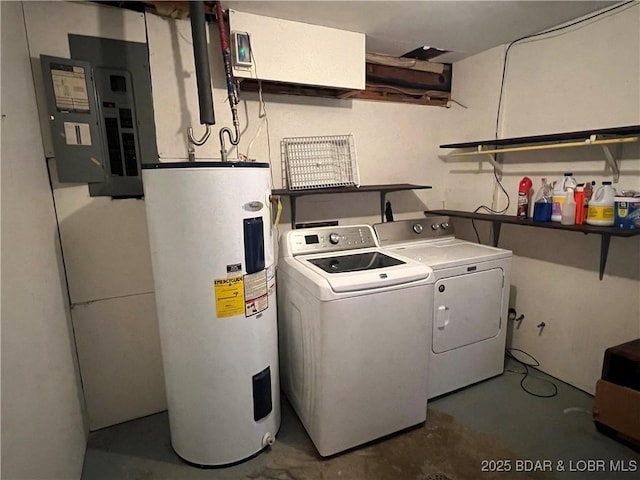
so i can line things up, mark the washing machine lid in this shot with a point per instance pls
(450, 252)
(355, 262)
(362, 270)
(431, 240)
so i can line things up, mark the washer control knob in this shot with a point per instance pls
(444, 226)
(334, 238)
(417, 228)
(435, 226)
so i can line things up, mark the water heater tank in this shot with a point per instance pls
(213, 268)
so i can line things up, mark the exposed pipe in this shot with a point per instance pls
(234, 137)
(203, 74)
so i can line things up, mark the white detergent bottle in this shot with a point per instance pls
(601, 206)
(560, 193)
(569, 208)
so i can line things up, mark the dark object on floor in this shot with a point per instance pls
(616, 409)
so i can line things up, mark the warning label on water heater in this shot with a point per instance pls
(255, 293)
(229, 297)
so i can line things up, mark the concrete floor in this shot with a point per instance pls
(492, 424)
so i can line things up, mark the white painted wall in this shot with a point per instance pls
(105, 245)
(585, 77)
(476, 85)
(43, 434)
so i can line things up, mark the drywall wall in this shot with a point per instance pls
(567, 81)
(105, 245)
(43, 434)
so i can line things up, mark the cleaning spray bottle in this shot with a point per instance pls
(524, 197)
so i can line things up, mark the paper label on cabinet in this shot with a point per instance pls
(70, 88)
(229, 297)
(77, 133)
(255, 293)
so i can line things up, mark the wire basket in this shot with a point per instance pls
(320, 162)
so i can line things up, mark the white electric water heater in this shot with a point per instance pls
(213, 268)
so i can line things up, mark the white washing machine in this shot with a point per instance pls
(470, 299)
(353, 325)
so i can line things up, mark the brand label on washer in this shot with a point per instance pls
(229, 298)
(256, 297)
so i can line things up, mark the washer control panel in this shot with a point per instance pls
(330, 239)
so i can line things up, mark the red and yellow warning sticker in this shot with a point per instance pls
(255, 293)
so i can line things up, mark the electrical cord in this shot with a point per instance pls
(629, 4)
(490, 210)
(262, 115)
(264, 121)
(533, 364)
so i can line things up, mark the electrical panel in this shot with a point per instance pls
(101, 114)
(73, 116)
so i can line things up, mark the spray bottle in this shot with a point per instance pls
(524, 197)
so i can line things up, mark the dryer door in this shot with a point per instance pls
(467, 309)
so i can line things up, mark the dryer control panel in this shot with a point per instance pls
(328, 239)
(420, 229)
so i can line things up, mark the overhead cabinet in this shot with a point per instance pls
(276, 50)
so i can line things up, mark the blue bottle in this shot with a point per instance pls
(543, 206)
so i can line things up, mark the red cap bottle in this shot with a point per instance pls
(524, 197)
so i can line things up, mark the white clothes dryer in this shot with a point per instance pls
(353, 324)
(470, 299)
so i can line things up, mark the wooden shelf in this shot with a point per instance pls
(603, 138)
(382, 189)
(497, 220)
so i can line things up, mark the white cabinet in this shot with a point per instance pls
(301, 53)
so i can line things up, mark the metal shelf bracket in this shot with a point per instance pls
(492, 160)
(611, 160)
